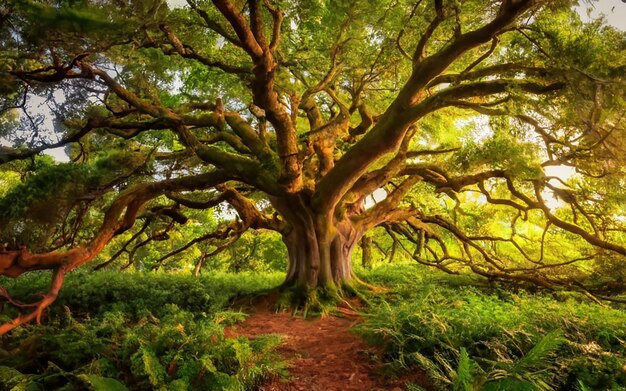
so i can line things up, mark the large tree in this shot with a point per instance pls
(294, 112)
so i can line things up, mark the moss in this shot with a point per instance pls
(323, 299)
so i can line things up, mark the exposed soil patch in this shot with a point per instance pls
(323, 354)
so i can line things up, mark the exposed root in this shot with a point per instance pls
(371, 288)
(324, 299)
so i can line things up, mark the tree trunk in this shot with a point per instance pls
(319, 247)
(198, 269)
(366, 247)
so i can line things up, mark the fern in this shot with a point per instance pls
(10, 377)
(146, 363)
(538, 356)
(464, 373)
(582, 387)
(504, 333)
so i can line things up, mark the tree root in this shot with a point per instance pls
(325, 299)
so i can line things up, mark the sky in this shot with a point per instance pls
(613, 10)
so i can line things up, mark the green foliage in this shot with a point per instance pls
(64, 183)
(254, 251)
(149, 353)
(8, 180)
(127, 330)
(496, 339)
(71, 16)
(589, 46)
(31, 210)
(134, 293)
(99, 383)
(10, 378)
(49, 182)
(166, 331)
(501, 150)
(464, 372)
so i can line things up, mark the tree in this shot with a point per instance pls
(294, 112)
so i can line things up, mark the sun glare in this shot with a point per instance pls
(560, 175)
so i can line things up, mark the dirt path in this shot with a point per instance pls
(323, 354)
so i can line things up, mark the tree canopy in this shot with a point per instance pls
(494, 129)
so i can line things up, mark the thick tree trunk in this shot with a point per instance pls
(316, 260)
(319, 247)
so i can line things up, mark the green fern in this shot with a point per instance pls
(464, 373)
(530, 371)
(537, 358)
(582, 386)
(10, 377)
(146, 363)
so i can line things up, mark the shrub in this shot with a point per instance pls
(93, 293)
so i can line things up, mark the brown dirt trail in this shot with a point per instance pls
(322, 353)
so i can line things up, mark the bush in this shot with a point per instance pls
(92, 294)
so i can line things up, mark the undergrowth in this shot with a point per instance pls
(120, 331)
(133, 331)
(468, 337)
(89, 294)
(320, 301)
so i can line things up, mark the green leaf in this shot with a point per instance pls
(464, 373)
(538, 356)
(208, 364)
(145, 362)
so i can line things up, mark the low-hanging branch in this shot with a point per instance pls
(227, 235)
(119, 217)
(495, 268)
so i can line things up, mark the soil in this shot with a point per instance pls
(323, 354)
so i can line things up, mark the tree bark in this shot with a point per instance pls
(198, 269)
(366, 247)
(319, 245)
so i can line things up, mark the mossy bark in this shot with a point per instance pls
(319, 245)
(318, 258)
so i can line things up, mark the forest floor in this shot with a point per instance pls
(322, 353)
